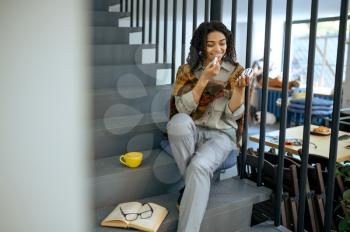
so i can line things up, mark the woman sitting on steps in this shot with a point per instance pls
(206, 102)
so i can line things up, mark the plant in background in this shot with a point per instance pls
(343, 171)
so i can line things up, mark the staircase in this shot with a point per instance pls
(130, 96)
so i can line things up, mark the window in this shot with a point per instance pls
(325, 53)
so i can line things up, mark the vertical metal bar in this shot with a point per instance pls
(173, 54)
(183, 40)
(143, 21)
(138, 13)
(234, 21)
(283, 123)
(195, 6)
(246, 93)
(216, 10)
(157, 31)
(206, 11)
(336, 114)
(264, 89)
(165, 44)
(121, 5)
(249, 32)
(307, 114)
(132, 14)
(150, 21)
(126, 5)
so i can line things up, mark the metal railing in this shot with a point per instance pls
(215, 8)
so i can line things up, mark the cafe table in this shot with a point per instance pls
(319, 144)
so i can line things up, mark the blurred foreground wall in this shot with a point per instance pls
(44, 143)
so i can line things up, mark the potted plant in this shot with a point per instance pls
(343, 171)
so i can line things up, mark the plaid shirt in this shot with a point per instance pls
(212, 111)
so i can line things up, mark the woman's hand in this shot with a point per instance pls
(237, 97)
(241, 83)
(211, 70)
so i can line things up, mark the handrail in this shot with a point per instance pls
(165, 40)
(183, 39)
(336, 114)
(194, 9)
(264, 88)
(173, 54)
(143, 21)
(246, 93)
(283, 122)
(157, 30)
(132, 13)
(307, 114)
(234, 22)
(138, 13)
(150, 21)
(206, 11)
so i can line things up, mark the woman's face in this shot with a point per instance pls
(216, 46)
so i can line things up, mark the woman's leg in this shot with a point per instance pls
(208, 157)
(183, 136)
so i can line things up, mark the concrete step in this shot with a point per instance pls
(103, 5)
(118, 54)
(113, 182)
(267, 226)
(115, 35)
(128, 130)
(114, 8)
(105, 18)
(144, 99)
(123, 21)
(130, 75)
(229, 207)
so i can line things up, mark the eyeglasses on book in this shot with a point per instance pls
(147, 213)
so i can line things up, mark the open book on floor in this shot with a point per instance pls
(146, 217)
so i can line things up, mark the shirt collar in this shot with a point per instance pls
(228, 66)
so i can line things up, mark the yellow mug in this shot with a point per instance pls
(131, 159)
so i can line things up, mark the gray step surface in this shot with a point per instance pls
(104, 18)
(116, 54)
(229, 207)
(102, 5)
(267, 226)
(114, 35)
(113, 182)
(128, 133)
(107, 144)
(143, 99)
(108, 76)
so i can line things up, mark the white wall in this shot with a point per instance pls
(44, 142)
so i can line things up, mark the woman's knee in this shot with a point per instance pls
(180, 124)
(200, 166)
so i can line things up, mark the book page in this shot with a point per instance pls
(115, 218)
(150, 224)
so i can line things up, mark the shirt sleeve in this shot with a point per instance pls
(233, 116)
(185, 103)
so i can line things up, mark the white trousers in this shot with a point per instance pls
(198, 152)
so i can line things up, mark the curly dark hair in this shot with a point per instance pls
(197, 54)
